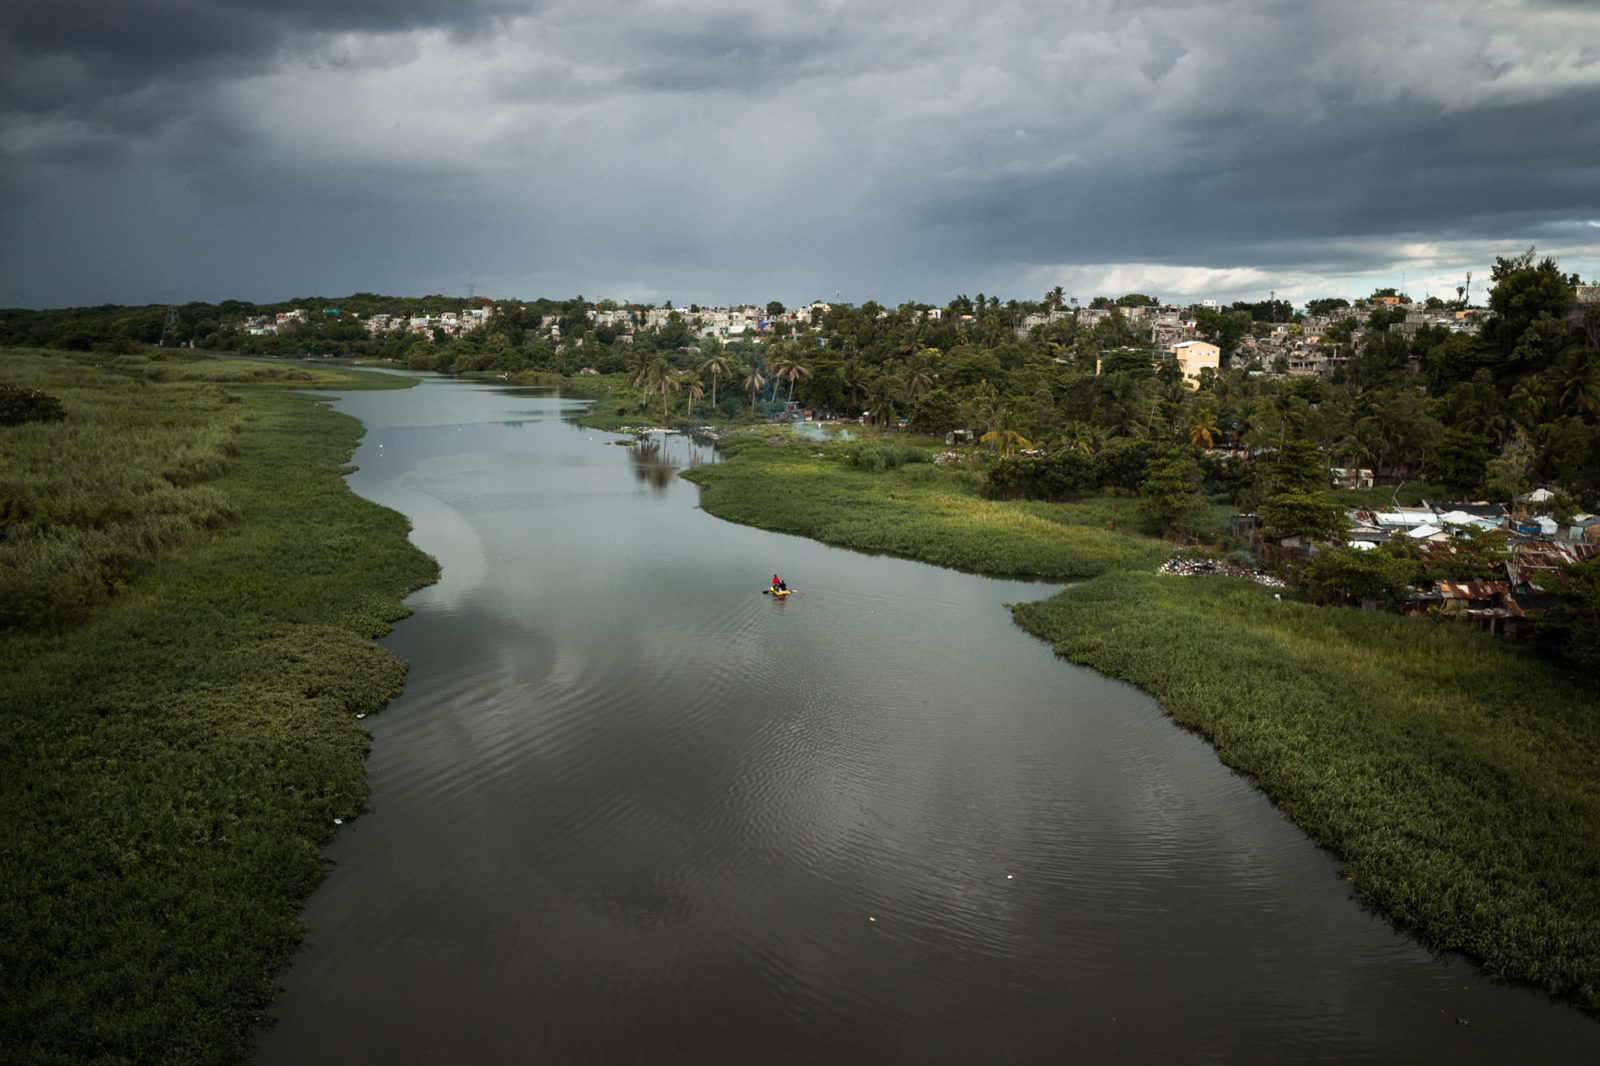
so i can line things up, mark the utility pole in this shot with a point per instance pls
(170, 325)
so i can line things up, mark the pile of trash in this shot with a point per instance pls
(1195, 567)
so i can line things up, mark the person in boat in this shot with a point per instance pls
(783, 586)
(776, 584)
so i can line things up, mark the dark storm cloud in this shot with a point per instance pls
(1370, 170)
(128, 64)
(643, 147)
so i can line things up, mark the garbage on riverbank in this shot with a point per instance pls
(1196, 567)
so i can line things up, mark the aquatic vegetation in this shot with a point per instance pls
(177, 747)
(919, 511)
(1451, 773)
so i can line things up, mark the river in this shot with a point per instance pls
(631, 810)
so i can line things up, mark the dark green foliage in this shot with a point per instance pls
(935, 414)
(1171, 493)
(1299, 514)
(1122, 464)
(1296, 467)
(1055, 477)
(1450, 774)
(884, 455)
(1470, 555)
(1339, 573)
(173, 760)
(1571, 631)
(19, 405)
(1460, 461)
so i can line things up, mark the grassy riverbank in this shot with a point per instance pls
(178, 700)
(1455, 777)
(916, 510)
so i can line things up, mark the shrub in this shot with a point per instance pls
(19, 405)
(880, 455)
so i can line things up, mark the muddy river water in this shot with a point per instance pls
(631, 810)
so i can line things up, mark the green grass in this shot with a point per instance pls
(175, 753)
(915, 510)
(1454, 777)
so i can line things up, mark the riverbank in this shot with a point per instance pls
(180, 739)
(1452, 774)
(857, 495)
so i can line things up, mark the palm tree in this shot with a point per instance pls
(639, 365)
(695, 393)
(1055, 298)
(753, 381)
(853, 377)
(1576, 384)
(716, 363)
(1005, 431)
(881, 395)
(786, 365)
(920, 376)
(658, 376)
(1203, 427)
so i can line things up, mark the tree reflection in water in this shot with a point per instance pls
(651, 463)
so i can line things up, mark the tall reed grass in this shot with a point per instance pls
(174, 758)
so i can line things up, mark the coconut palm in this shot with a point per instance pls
(716, 363)
(659, 377)
(919, 375)
(853, 377)
(882, 395)
(753, 382)
(1005, 431)
(695, 392)
(786, 366)
(1203, 427)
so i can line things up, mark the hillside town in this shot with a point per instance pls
(1306, 344)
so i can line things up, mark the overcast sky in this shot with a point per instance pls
(714, 152)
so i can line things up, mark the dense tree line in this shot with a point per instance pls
(1496, 413)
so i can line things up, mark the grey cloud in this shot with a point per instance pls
(854, 146)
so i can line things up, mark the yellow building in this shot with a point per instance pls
(1195, 356)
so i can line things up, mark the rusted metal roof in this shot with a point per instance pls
(1472, 590)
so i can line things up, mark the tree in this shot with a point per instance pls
(1459, 461)
(1343, 572)
(716, 362)
(1171, 493)
(1511, 474)
(1571, 631)
(753, 382)
(920, 375)
(786, 366)
(853, 377)
(1299, 514)
(695, 393)
(1203, 429)
(1470, 555)
(1523, 295)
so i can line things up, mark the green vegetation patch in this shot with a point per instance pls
(907, 508)
(1453, 776)
(175, 756)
